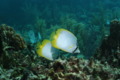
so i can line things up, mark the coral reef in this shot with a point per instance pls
(10, 43)
(80, 69)
(71, 69)
(9, 40)
(89, 20)
(110, 47)
(18, 62)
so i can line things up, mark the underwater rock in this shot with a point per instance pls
(15, 65)
(10, 45)
(9, 40)
(80, 69)
(68, 69)
(110, 47)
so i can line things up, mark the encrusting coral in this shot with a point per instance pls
(110, 47)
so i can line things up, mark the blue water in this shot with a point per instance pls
(44, 16)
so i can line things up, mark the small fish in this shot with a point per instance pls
(64, 40)
(46, 50)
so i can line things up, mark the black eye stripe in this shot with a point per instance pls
(75, 49)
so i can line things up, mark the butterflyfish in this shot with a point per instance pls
(46, 50)
(64, 40)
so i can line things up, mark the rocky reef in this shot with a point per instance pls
(9, 40)
(10, 45)
(18, 62)
(80, 69)
(71, 69)
(110, 47)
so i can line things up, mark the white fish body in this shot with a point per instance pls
(46, 50)
(65, 40)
